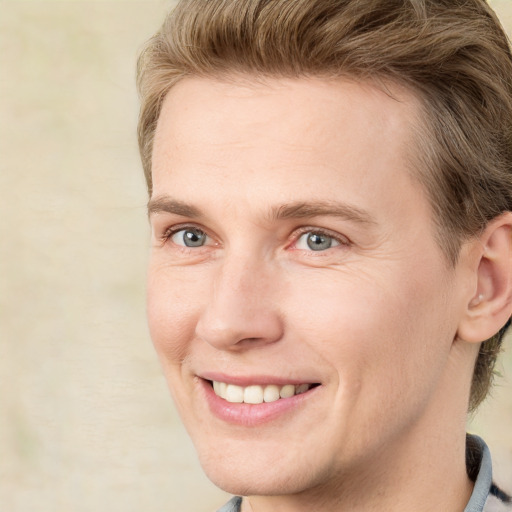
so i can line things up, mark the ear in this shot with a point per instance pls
(490, 303)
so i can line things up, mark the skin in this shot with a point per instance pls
(375, 319)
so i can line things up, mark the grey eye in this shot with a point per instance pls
(191, 237)
(315, 241)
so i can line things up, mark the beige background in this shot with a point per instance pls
(86, 423)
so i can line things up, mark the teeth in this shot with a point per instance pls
(234, 394)
(257, 394)
(220, 388)
(271, 393)
(302, 388)
(287, 391)
(253, 395)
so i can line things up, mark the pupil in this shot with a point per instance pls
(318, 242)
(194, 238)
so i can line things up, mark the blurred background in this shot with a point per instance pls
(86, 422)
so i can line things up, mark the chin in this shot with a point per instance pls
(260, 472)
(250, 481)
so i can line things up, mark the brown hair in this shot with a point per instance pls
(452, 53)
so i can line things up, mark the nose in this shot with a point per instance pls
(241, 310)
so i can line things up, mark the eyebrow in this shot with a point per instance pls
(166, 204)
(300, 210)
(294, 210)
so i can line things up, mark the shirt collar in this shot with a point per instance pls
(479, 468)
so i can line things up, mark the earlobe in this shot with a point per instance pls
(490, 304)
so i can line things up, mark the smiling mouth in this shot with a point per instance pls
(257, 394)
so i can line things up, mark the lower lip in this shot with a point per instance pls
(249, 415)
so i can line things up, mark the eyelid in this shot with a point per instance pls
(341, 239)
(170, 231)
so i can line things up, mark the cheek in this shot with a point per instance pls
(385, 335)
(172, 310)
(172, 304)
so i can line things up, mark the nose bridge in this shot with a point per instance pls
(241, 305)
(240, 277)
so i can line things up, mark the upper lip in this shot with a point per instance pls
(248, 380)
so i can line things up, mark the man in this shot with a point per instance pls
(330, 199)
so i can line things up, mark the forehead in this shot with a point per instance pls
(293, 136)
(381, 105)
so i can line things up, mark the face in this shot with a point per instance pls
(299, 304)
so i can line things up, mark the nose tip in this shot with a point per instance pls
(233, 330)
(240, 311)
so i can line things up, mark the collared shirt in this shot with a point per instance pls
(486, 496)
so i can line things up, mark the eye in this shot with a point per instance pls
(190, 237)
(316, 241)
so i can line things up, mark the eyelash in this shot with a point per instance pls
(342, 240)
(296, 235)
(171, 231)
